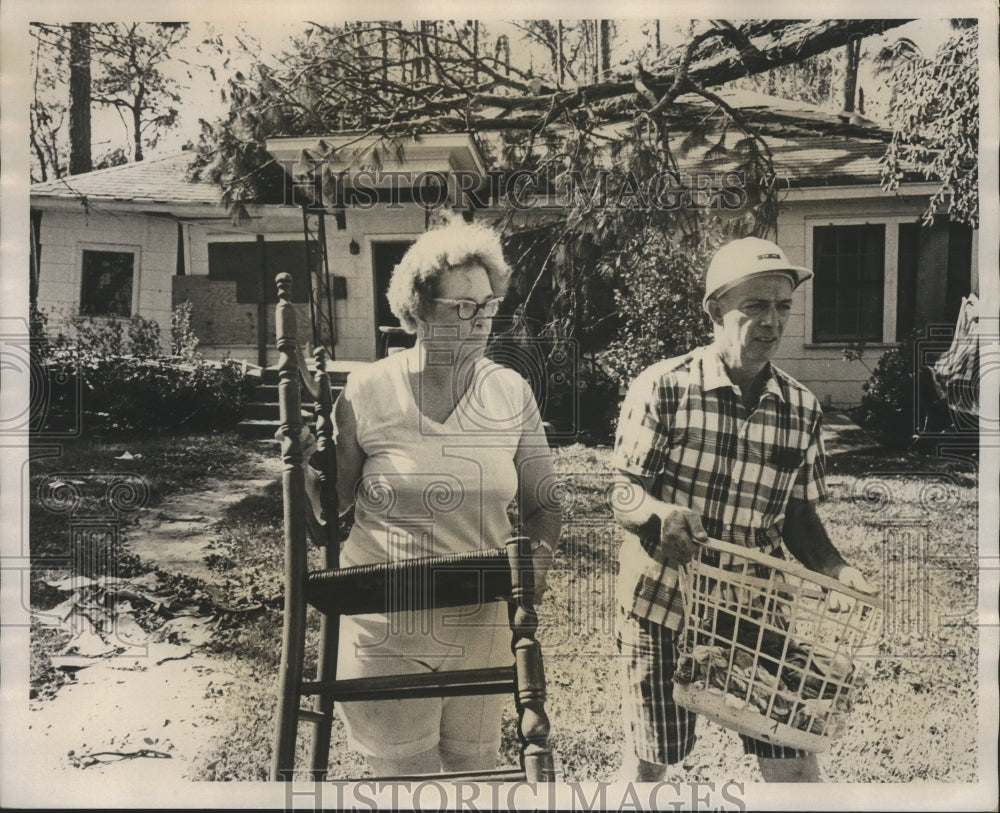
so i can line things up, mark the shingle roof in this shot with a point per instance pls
(828, 161)
(803, 158)
(155, 180)
(803, 161)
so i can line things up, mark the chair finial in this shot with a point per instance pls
(284, 283)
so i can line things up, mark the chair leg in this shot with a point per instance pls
(327, 669)
(533, 723)
(289, 682)
(293, 638)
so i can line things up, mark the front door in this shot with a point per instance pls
(385, 257)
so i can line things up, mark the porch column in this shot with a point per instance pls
(262, 303)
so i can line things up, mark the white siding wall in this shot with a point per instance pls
(356, 314)
(822, 368)
(64, 236)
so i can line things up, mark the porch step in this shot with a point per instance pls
(338, 374)
(261, 415)
(257, 429)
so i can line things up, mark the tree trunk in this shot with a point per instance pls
(80, 159)
(853, 53)
(137, 122)
(562, 56)
(605, 49)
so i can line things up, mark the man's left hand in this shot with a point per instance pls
(849, 577)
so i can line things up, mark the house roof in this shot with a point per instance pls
(802, 158)
(156, 180)
(800, 161)
(844, 155)
(828, 161)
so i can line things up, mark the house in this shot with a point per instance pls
(142, 238)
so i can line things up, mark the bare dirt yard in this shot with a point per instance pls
(155, 646)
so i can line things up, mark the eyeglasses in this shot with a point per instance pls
(467, 309)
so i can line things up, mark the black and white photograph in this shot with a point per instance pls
(499, 406)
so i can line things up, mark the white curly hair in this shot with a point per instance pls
(455, 245)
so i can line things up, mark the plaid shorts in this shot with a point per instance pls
(661, 731)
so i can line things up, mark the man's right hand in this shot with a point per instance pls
(680, 534)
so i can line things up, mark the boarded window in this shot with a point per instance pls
(849, 282)
(107, 283)
(252, 270)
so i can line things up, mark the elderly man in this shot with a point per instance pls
(715, 443)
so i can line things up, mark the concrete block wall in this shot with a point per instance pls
(226, 327)
(355, 316)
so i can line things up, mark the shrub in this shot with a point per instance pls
(659, 301)
(164, 393)
(144, 338)
(38, 332)
(887, 405)
(900, 402)
(574, 394)
(598, 392)
(183, 341)
(128, 382)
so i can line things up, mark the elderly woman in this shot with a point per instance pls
(433, 444)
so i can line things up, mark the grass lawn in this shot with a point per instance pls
(908, 523)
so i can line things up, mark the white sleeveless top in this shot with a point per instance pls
(430, 488)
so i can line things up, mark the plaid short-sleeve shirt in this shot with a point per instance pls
(684, 424)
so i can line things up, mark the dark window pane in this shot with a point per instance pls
(824, 243)
(847, 243)
(825, 321)
(849, 265)
(107, 283)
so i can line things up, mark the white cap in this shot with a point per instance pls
(749, 257)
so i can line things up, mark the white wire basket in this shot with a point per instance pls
(761, 650)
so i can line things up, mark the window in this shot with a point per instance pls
(849, 283)
(107, 283)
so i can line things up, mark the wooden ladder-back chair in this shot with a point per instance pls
(426, 583)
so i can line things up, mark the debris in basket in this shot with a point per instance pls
(817, 672)
(810, 690)
(819, 717)
(763, 641)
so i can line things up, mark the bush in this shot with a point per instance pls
(900, 402)
(659, 300)
(183, 341)
(165, 393)
(887, 405)
(128, 382)
(599, 394)
(38, 332)
(101, 338)
(575, 396)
